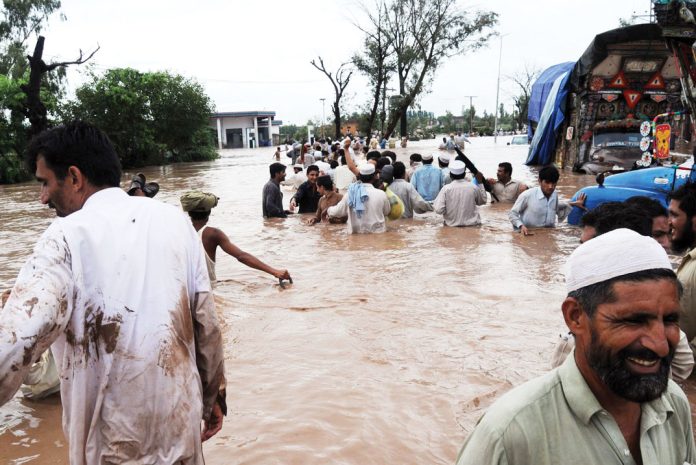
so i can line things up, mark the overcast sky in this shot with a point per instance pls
(254, 55)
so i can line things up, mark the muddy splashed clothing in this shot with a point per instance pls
(122, 288)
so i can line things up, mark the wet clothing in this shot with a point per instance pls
(307, 197)
(209, 262)
(343, 177)
(326, 201)
(507, 192)
(42, 379)
(372, 219)
(534, 210)
(556, 419)
(272, 201)
(686, 273)
(120, 289)
(457, 203)
(428, 181)
(295, 180)
(410, 197)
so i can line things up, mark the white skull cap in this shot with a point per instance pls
(616, 253)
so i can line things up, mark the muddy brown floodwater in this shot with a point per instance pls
(386, 349)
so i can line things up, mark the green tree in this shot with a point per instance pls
(152, 118)
(20, 21)
(376, 63)
(424, 34)
(524, 81)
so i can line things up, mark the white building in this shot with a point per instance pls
(246, 129)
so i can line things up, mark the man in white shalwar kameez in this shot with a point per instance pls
(119, 287)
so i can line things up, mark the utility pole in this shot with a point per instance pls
(471, 113)
(323, 117)
(497, 92)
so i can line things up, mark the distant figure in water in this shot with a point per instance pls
(198, 205)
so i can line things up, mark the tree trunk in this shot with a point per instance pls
(36, 110)
(337, 120)
(404, 122)
(375, 105)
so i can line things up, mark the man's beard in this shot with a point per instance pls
(686, 239)
(614, 371)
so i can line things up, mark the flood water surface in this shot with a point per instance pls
(386, 349)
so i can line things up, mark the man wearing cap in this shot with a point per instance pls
(198, 205)
(428, 179)
(457, 202)
(443, 160)
(611, 401)
(297, 178)
(307, 196)
(504, 187)
(365, 206)
(272, 197)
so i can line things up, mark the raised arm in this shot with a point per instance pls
(349, 159)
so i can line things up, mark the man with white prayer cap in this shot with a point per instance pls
(365, 206)
(428, 179)
(297, 178)
(443, 159)
(457, 202)
(611, 402)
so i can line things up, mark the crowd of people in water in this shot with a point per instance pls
(137, 351)
(353, 183)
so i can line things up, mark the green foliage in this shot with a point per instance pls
(152, 118)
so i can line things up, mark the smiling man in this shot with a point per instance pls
(611, 402)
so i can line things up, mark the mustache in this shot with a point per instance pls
(647, 354)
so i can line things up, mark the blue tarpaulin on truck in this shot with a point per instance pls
(547, 110)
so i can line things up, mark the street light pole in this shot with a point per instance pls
(323, 117)
(497, 93)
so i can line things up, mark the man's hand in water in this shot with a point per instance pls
(580, 202)
(282, 274)
(525, 231)
(212, 427)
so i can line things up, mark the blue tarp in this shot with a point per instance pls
(547, 109)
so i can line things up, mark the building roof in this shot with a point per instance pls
(243, 114)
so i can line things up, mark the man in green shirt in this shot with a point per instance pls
(682, 225)
(611, 402)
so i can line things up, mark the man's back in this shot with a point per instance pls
(130, 278)
(428, 181)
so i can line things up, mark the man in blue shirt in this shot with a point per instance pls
(428, 179)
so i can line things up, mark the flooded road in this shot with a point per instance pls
(387, 348)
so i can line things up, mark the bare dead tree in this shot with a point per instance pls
(524, 80)
(339, 81)
(35, 110)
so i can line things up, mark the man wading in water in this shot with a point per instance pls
(198, 205)
(118, 288)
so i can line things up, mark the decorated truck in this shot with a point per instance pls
(588, 114)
